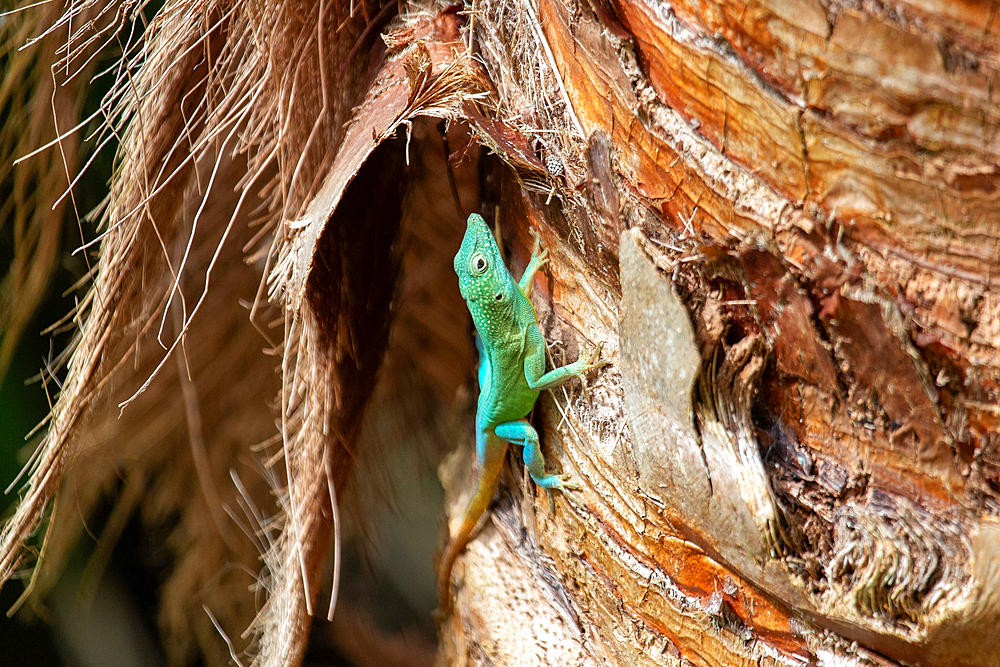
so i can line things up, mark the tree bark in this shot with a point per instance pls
(779, 221)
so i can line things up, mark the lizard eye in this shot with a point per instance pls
(499, 296)
(479, 264)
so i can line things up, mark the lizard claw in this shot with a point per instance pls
(588, 361)
(591, 359)
(566, 483)
(538, 250)
(566, 486)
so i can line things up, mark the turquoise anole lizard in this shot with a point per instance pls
(511, 374)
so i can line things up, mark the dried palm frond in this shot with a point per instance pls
(40, 100)
(233, 120)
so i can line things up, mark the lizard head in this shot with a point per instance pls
(482, 275)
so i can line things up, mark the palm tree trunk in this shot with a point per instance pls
(779, 219)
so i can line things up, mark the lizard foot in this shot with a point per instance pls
(587, 361)
(562, 482)
(565, 484)
(591, 359)
(538, 250)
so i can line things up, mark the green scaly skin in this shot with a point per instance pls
(511, 374)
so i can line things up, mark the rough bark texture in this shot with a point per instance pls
(777, 218)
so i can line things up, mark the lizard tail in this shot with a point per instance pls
(489, 477)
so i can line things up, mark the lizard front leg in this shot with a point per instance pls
(534, 364)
